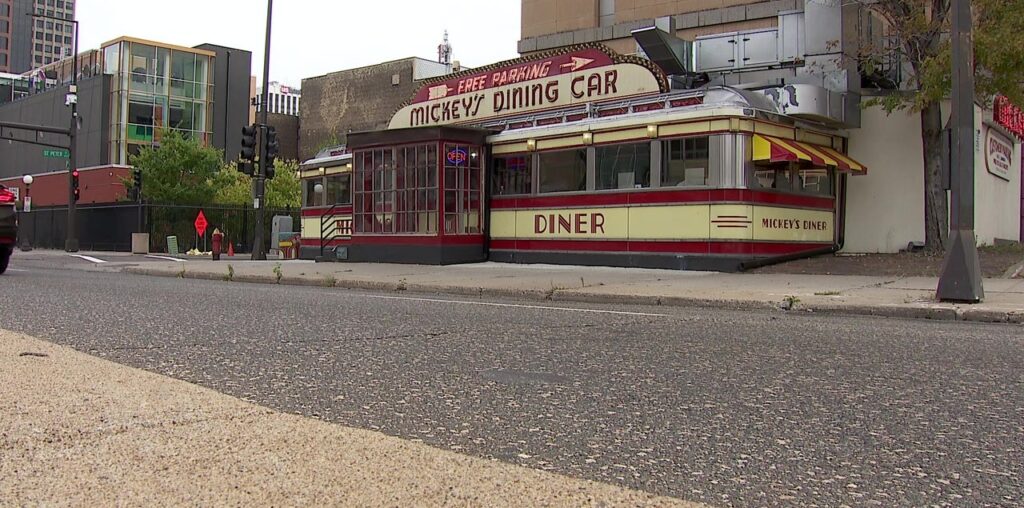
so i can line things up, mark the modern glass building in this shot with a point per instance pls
(156, 86)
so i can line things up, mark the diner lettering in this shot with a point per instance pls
(571, 223)
(525, 97)
(794, 224)
(522, 90)
(446, 111)
(594, 86)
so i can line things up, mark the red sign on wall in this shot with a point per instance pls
(1008, 115)
(201, 224)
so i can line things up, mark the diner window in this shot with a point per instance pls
(462, 189)
(564, 171)
(310, 196)
(778, 177)
(513, 174)
(338, 189)
(686, 163)
(395, 190)
(623, 166)
(816, 181)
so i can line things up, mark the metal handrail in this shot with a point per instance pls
(328, 221)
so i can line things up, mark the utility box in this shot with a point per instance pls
(278, 225)
(140, 243)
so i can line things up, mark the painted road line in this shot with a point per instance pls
(166, 257)
(16, 270)
(88, 258)
(516, 306)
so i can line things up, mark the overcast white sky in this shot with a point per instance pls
(314, 37)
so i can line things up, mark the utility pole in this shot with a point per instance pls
(961, 273)
(259, 183)
(71, 239)
(71, 243)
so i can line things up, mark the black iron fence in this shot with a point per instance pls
(110, 227)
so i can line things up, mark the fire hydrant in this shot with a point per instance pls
(218, 242)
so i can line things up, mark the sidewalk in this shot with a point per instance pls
(911, 297)
(78, 430)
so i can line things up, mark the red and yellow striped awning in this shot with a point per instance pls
(770, 149)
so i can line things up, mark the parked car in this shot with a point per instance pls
(8, 226)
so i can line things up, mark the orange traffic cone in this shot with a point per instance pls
(231, 249)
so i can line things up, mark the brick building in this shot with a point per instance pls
(287, 134)
(358, 99)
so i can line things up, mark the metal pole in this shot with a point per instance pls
(26, 237)
(961, 275)
(71, 243)
(258, 252)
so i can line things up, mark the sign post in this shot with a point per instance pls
(201, 224)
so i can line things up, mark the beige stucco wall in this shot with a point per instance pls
(885, 209)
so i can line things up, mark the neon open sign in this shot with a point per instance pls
(457, 156)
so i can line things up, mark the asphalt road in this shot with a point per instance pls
(744, 409)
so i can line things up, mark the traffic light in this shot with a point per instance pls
(74, 184)
(246, 168)
(248, 143)
(272, 148)
(248, 153)
(137, 184)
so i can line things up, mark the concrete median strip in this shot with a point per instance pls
(79, 430)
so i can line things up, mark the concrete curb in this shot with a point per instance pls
(574, 295)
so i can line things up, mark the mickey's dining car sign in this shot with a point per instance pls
(529, 85)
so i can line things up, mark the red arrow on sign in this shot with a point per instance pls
(201, 224)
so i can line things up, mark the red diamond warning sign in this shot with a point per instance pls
(201, 224)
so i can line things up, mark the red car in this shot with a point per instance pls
(8, 226)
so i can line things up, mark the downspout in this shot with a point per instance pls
(758, 263)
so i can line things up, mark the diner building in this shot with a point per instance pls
(721, 138)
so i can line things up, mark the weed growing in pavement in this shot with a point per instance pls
(401, 285)
(231, 274)
(181, 273)
(550, 293)
(790, 302)
(329, 281)
(277, 273)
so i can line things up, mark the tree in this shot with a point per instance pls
(921, 28)
(179, 171)
(232, 187)
(235, 188)
(285, 190)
